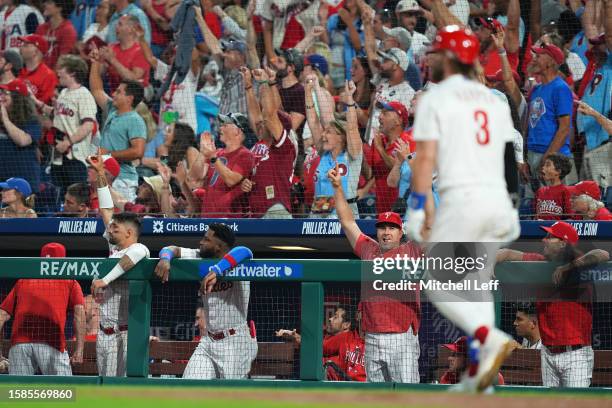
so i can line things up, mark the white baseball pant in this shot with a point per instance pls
(570, 369)
(392, 357)
(27, 358)
(111, 353)
(229, 358)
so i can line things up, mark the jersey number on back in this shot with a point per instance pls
(481, 118)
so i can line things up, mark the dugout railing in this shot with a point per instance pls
(311, 276)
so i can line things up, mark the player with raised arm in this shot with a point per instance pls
(122, 233)
(228, 347)
(466, 132)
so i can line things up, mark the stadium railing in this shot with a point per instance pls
(311, 275)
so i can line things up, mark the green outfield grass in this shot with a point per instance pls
(92, 396)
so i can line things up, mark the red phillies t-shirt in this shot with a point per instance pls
(385, 195)
(294, 33)
(61, 40)
(272, 174)
(130, 58)
(563, 323)
(382, 314)
(350, 348)
(41, 81)
(38, 308)
(553, 203)
(603, 215)
(219, 200)
(491, 62)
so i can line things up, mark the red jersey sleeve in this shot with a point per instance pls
(76, 295)
(331, 345)
(363, 246)
(533, 256)
(9, 303)
(213, 23)
(245, 163)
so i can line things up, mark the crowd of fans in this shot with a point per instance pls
(228, 109)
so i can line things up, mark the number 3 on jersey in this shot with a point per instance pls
(481, 118)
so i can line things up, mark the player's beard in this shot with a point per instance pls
(206, 253)
(112, 240)
(282, 73)
(437, 73)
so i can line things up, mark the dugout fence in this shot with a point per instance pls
(301, 296)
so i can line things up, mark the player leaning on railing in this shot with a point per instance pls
(227, 348)
(122, 233)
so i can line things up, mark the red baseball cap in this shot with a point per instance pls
(16, 85)
(396, 107)
(460, 41)
(588, 187)
(38, 40)
(389, 217)
(459, 346)
(551, 50)
(499, 77)
(564, 231)
(112, 165)
(53, 250)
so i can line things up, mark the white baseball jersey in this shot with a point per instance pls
(73, 107)
(226, 307)
(472, 127)
(114, 304)
(535, 346)
(178, 97)
(13, 25)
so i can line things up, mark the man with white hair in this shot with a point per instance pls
(586, 202)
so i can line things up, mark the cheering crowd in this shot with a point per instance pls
(227, 109)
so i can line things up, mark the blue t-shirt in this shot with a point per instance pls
(117, 132)
(598, 95)
(83, 15)
(18, 161)
(349, 51)
(405, 177)
(546, 104)
(580, 46)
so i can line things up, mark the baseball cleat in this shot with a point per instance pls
(497, 348)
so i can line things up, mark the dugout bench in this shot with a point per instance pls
(169, 358)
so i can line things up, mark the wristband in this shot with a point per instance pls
(501, 51)
(263, 82)
(105, 200)
(212, 160)
(166, 253)
(417, 201)
(272, 83)
(353, 105)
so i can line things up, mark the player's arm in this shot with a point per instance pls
(135, 151)
(79, 329)
(132, 256)
(591, 258)
(344, 212)
(512, 28)
(507, 255)
(166, 255)
(105, 199)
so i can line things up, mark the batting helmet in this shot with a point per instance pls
(461, 42)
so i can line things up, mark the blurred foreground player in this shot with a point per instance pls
(458, 362)
(39, 306)
(391, 325)
(464, 129)
(122, 233)
(566, 323)
(227, 347)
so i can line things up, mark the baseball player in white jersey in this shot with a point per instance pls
(17, 20)
(122, 233)
(227, 349)
(466, 132)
